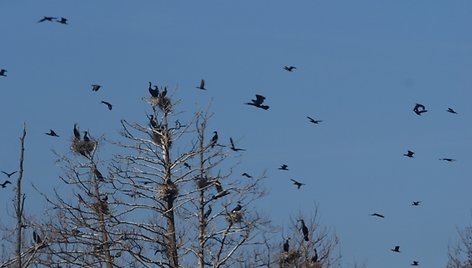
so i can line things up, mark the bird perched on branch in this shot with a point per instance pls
(76, 132)
(237, 208)
(154, 91)
(305, 230)
(286, 245)
(214, 139)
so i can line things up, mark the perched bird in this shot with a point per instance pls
(447, 159)
(163, 92)
(97, 173)
(297, 183)
(415, 203)
(214, 139)
(305, 231)
(96, 87)
(286, 245)
(450, 110)
(86, 137)
(246, 175)
(4, 184)
(314, 259)
(187, 166)
(62, 20)
(415, 263)
(283, 167)
(234, 147)
(153, 122)
(409, 154)
(207, 213)
(9, 174)
(52, 133)
(289, 68)
(377, 215)
(314, 121)
(109, 105)
(258, 102)
(2, 72)
(396, 249)
(237, 208)
(46, 18)
(76, 132)
(419, 109)
(153, 91)
(36, 238)
(202, 85)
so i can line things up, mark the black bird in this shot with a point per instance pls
(283, 167)
(314, 121)
(76, 132)
(415, 203)
(287, 245)
(314, 259)
(214, 139)
(98, 174)
(52, 133)
(96, 87)
(289, 68)
(163, 92)
(447, 159)
(62, 20)
(246, 175)
(36, 238)
(2, 72)
(237, 208)
(396, 249)
(415, 263)
(9, 174)
(377, 215)
(109, 105)
(409, 154)
(419, 109)
(153, 91)
(153, 122)
(450, 110)
(4, 184)
(258, 102)
(207, 213)
(297, 183)
(46, 18)
(86, 137)
(305, 231)
(187, 166)
(202, 85)
(234, 147)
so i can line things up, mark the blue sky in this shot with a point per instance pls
(361, 67)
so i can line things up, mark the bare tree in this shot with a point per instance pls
(460, 255)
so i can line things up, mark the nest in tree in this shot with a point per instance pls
(167, 191)
(234, 217)
(101, 207)
(290, 257)
(202, 183)
(162, 102)
(159, 139)
(82, 147)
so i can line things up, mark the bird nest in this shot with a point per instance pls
(202, 183)
(162, 102)
(167, 191)
(234, 217)
(84, 148)
(100, 207)
(289, 257)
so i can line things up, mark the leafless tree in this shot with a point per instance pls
(460, 255)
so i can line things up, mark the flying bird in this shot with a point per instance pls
(76, 132)
(415, 203)
(202, 85)
(9, 174)
(246, 175)
(305, 231)
(448, 159)
(297, 183)
(283, 167)
(419, 109)
(377, 215)
(52, 133)
(2, 72)
(4, 184)
(46, 18)
(96, 87)
(109, 105)
(396, 249)
(289, 68)
(62, 20)
(409, 154)
(450, 110)
(214, 139)
(415, 263)
(314, 121)
(233, 147)
(258, 102)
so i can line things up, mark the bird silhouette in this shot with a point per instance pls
(97, 173)
(62, 20)
(187, 166)
(415, 203)
(246, 175)
(233, 147)
(314, 259)
(52, 133)
(36, 238)
(409, 154)
(207, 213)
(3, 72)
(415, 263)
(450, 110)
(202, 85)
(154, 91)
(289, 68)
(96, 87)
(258, 102)
(314, 121)
(419, 109)
(286, 245)
(153, 122)
(305, 231)
(448, 159)
(76, 132)
(9, 174)
(214, 139)
(86, 137)
(109, 105)
(46, 18)
(4, 184)
(377, 215)
(237, 208)
(297, 183)
(396, 249)
(283, 167)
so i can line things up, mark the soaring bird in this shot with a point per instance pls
(109, 105)
(52, 133)
(450, 110)
(202, 85)
(96, 87)
(314, 121)
(237, 208)
(415, 203)
(233, 147)
(283, 167)
(4, 184)
(409, 154)
(297, 183)
(287, 245)
(305, 231)
(258, 102)
(415, 263)
(419, 109)
(214, 139)
(76, 132)
(46, 18)
(3, 72)
(396, 249)
(289, 68)
(246, 175)
(62, 20)
(9, 174)
(377, 215)
(448, 159)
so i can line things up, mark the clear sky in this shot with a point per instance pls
(361, 67)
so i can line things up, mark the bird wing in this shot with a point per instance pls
(231, 141)
(259, 99)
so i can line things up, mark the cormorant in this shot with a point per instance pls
(258, 102)
(305, 231)
(62, 20)
(246, 175)
(9, 174)
(283, 167)
(447, 159)
(214, 139)
(409, 154)
(419, 109)
(415, 203)
(234, 147)
(314, 121)
(36, 238)
(396, 249)
(4, 184)
(96, 87)
(450, 110)
(297, 183)
(287, 245)
(314, 259)
(415, 263)
(46, 18)
(52, 133)
(207, 213)
(202, 85)
(153, 91)
(76, 132)
(86, 137)
(237, 208)
(2, 72)
(289, 68)
(377, 215)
